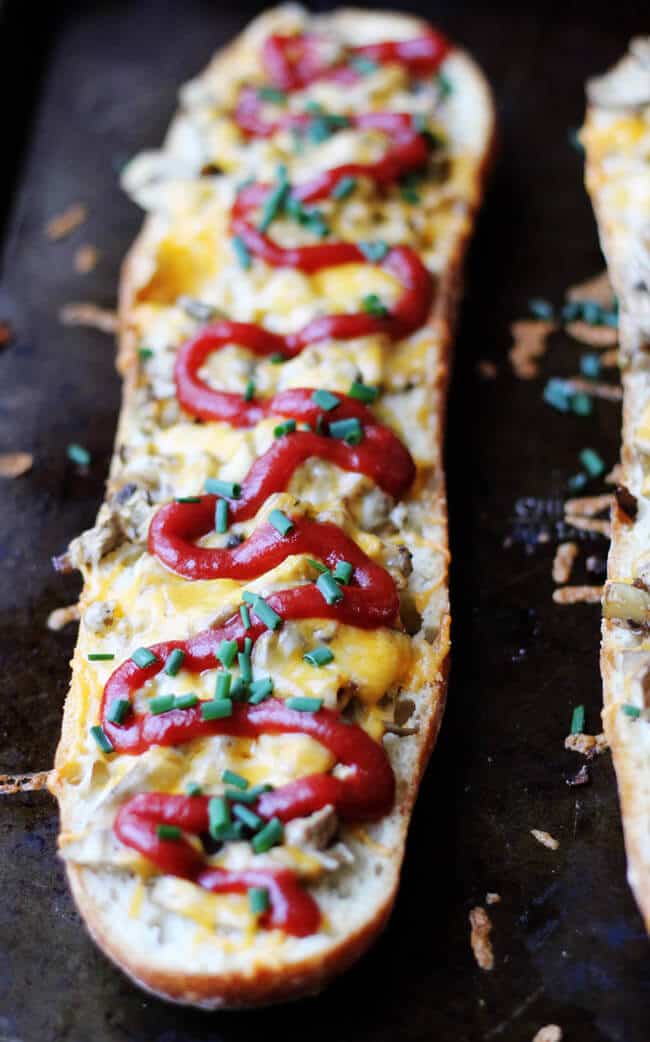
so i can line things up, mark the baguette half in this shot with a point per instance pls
(170, 936)
(616, 137)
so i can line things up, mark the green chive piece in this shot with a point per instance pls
(363, 392)
(119, 711)
(232, 778)
(227, 652)
(277, 358)
(218, 816)
(143, 657)
(100, 656)
(373, 305)
(632, 711)
(344, 187)
(275, 201)
(174, 662)
(325, 400)
(242, 251)
(268, 837)
(540, 308)
(249, 393)
(102, 739)
(239, 690)
(445, 85)
(188, 499)
(145, 353)
(592, 312)
(319, 656)
(317, 565)
(245, 670)
(221, 516)
(271, 94)
(78, 454)
(592, 463)
(582, 404)
(408, 192)
(571, 310)
(248, 645)
(235, 796)
(222, 686)
(303, 704)
(590, 366)
(234, 832)
(288, 427)
(218, 709)
(363, 65)
(187, 701)
(343, 572)
(557, 394)
(168, 832)
(161, 704)
(349, 430)
(245, 617)
(323, 125)
(374, 251)
(248, 816)
(280, 522)
(576, 482)
(264, 611)
(258, 900)
(193, 789)
(229, 489)
(329, 588)
(260, 689)
(578, 720)
(259, 790)
(196, 309)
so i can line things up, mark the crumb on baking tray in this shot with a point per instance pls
(549, 1033)
(492, 899)
(529, 337)
(563, 562)
(85, 313)
(577, 594)
(85, 259)
(15, 464)
(481, 928)
(597, 288)
(545, 838)
(65, 223)
(486, 369)
(589, 745)
(60, 617)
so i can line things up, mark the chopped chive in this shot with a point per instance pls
(236, 796)
(218, 709)
(363, 392)
(445, 85)
(343, 572)
(268, 837)
(217, 487)
(363, 65)
(100, 656)
(325, 400)
(576, 482)
(288, 427)
(582, 404)
(174, 662)
(161, 704)
(344, 187)
(239, 690)
(248, 645)
(119, 711)
(193, 789)
(592, 312)
(632, 711)
(317, 565)
(590, 366)
(271, 94)
(578, 720)
(247, 816)
(280, 522)
(302, 704)
(277, 358)
(143, 657)
(78, 454)
(592, 463)
(258, 900)
(408, 189)
(187, 701)
(540, 308)
(557, 394)
(218, 816)
(329, 588)
(168, 832)
(196, 309)
(264, 611)
(227, 652)
(323, 125)
(259, 790)
(319, 656)
(275, 201)
(249, 393)
(373, 305)
(188, 499)
(245, 670)
(260, 689)
(222, 686)
(232, 778)
(571, 310)
(242, 251)
(374, 251)
(102, 739)
(349, 430)
(245, 616)
(145, 353)
(221, 516)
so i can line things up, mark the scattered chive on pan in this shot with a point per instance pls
(632, 711)
(319, 656)
(287, 427)
(143, 657)
(221, 516)
(102, 739)
(541, 308)
(187, 499)
(577, 482)
(280, 522)
(268, 837)
(227, 652)
(217, 487)
(363, 392)
(325, 399)
(557, 394)
(590, 366)
(245, 670)
(578, 720)
(344, 187)
(239, 691)
(218, 709)
(77, 454)
(168, 832)
(373, 305)
(100, 656)
(193, 789)
(317, 565)
(161, 704)
(273, 94)
(592, 463)
(186, 701)
(245, 616)
(218, 815)
(374, 251)
(247, 816)
(249, 393)
(242, 252)
(349, 430)
(196, 309)
(304, 704)
(145, 353)
(329, 588)
(260, 689)
(119, 711)
(275, 200)
(343, 572)
(229, 777)
(222, 686)
(264, 611)
(174, 662)
(582, 404)
(364, 66)
(258, 900)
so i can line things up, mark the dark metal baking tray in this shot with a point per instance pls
(87, 85)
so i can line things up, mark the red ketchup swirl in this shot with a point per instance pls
(366, 790)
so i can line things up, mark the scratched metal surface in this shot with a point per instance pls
(94, 84)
